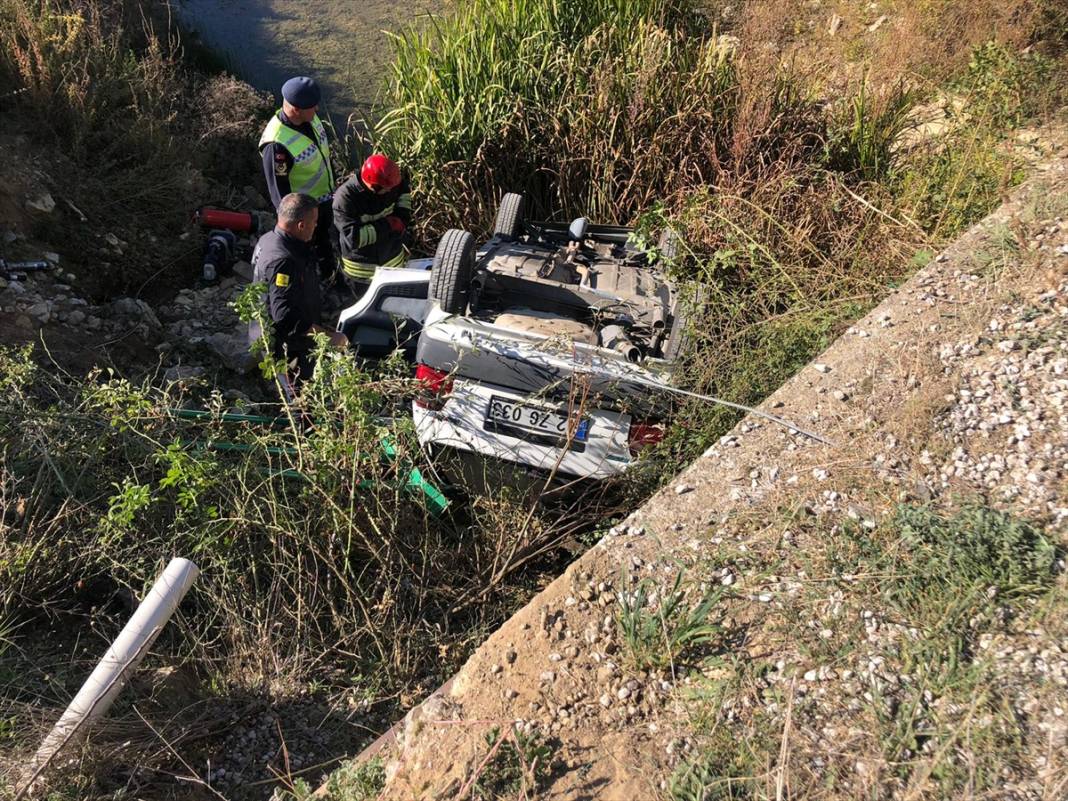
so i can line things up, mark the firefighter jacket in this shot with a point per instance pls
(365, 236)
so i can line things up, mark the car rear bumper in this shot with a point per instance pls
(536, 365)
(462, 422)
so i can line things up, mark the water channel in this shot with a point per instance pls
(341, 43)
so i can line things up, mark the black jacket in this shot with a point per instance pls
(289, 267)
(360, 217)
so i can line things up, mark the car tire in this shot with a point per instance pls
(668, 245)
(680, 339)
(510, 214)
(452, 271)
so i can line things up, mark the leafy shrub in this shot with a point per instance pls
(314, 544)
(1003, 86)
(951, 181)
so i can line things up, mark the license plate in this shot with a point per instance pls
(510, 417)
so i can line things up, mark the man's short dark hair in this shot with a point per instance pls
(295, 207)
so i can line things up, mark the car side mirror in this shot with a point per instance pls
(577, 230)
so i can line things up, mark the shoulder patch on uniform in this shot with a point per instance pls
(281, 279)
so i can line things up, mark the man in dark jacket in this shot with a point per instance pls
(372, 212)
(285, 261)
(296, 158)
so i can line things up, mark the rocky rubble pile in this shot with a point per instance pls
(202, 327)
(42, 299)
(195, 334)
(263, 744)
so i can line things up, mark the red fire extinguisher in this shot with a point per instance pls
(242, 222)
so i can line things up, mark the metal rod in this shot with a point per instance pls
(782, 421)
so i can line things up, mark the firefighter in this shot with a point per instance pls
(372, 212)
(285, 261)
(296, 158)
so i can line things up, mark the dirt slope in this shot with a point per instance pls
(900, 396)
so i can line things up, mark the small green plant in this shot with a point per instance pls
(251, 306)
(129, 500)
(357, 782)
(657, 631)
(189, 477)
(17, 369)
(722, 771)
(1004, 86)
(516, 765)
(977, 547)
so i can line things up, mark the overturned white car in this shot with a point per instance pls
(545, 347)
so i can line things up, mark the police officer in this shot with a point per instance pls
(372, 212)
(296, 158)
(285, 261)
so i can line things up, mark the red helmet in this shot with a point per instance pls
(380, 172)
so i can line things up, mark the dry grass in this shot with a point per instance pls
(118, 122)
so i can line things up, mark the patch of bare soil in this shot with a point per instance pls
(954, 386)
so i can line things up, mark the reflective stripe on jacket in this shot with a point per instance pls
(360, 217)
(311, 173)
(365, 271)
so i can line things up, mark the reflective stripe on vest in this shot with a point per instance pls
(311, 173)
(368, 236)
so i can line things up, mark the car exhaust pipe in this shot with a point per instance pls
(615, 338)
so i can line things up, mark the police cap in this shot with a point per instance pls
(301, 92)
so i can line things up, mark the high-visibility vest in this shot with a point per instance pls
(311, 173)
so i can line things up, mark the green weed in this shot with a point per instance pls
(724, 769)
(865, 129)
(518, 766)
(950, 183)
(289, 521)
(658, 632)
(361, 782)
(1004, 87)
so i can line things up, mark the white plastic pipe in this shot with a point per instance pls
(107, 680)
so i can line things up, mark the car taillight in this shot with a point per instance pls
(643, 434)
(436, 384)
